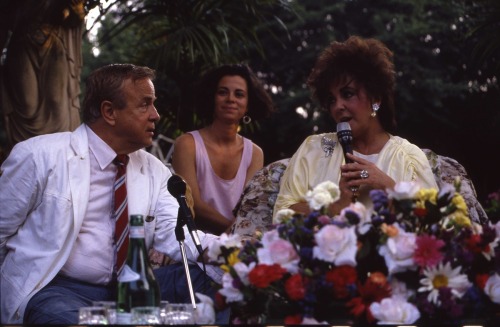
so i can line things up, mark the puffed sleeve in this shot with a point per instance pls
(405, 161)
(420, 169)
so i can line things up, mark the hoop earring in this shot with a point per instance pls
(246, 120)
(375, 108)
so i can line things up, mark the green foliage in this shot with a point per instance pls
(445, 53)
(445, 100)
(484, 34)
(183, 38)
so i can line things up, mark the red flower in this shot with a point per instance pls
(427, 253)
(420, 212)
(371, 291)
(263, 275)
(293, 320)
(473, 244)
(220, 301)
(341, 277)
(481, 280)
(294, 287)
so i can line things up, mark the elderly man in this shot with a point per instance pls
(57, 218)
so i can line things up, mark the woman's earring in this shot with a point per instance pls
(375, 108)
(246, 120)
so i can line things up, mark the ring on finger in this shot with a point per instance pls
(364, 174)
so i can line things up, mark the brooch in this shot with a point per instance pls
(328, 145)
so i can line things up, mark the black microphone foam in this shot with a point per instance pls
(177, 187)
(344, 134)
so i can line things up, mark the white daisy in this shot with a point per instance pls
(443, 276)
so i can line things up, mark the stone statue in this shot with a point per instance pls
(40, 66)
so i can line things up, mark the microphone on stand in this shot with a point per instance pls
(344, 135)
(177, 187)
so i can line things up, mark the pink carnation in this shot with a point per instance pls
(427, 253)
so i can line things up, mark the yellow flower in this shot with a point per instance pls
(459, 202)
(232, 259)
(426, 194)
(461, 219)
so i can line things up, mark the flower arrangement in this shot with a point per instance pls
(415, 257)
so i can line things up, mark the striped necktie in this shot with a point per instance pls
(121, 213)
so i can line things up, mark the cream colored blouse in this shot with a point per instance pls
(311, 165)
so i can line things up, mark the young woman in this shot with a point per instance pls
(216, 161)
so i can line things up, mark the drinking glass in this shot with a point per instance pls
(163, 310)
(146, 315)
(179, 314)
(110, 309)
(93, 316)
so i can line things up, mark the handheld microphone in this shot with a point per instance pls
(177, 187)
(344, 135)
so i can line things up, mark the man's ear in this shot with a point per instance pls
(108, 112)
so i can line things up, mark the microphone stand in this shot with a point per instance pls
(179, 234)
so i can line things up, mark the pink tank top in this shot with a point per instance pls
(221, 194)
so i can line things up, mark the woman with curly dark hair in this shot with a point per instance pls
(355, 82)
(216, 161)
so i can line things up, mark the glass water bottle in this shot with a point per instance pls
(137, 286)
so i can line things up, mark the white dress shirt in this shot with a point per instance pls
(92, 257)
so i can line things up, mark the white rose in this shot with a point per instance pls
(403, 190)
(283, 215)
(276, 250)
(398, 251)
(318, 199)
(336, 245)
(322, 195)
(392, 311)
(492, 288)
(331, 188)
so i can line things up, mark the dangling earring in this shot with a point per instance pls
(246, 120)
(375, 108)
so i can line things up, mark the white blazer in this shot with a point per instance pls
(44, 191)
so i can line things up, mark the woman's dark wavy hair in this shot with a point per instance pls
(260, 103)
(368, 62)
